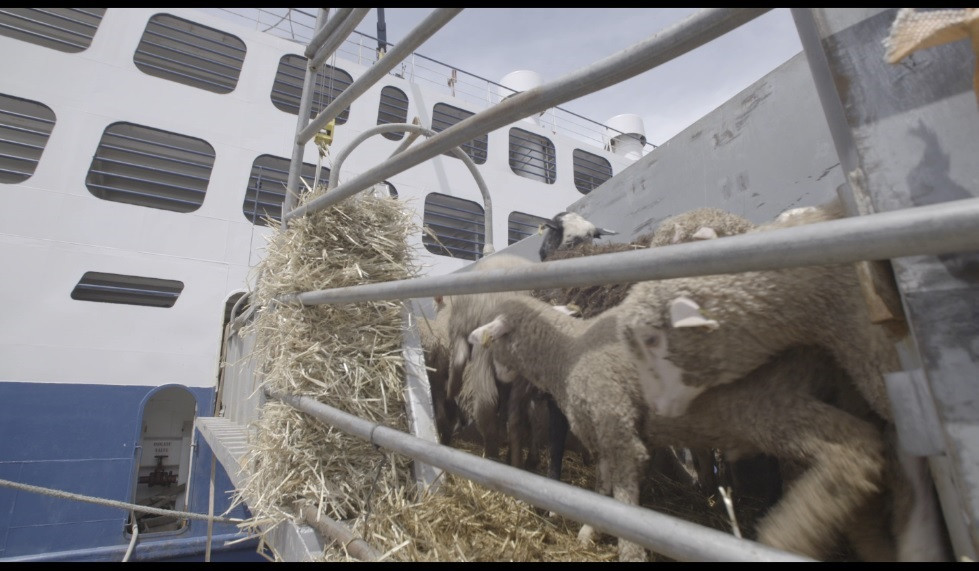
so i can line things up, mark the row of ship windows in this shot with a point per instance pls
(185, 52)
(457, 227)
(148, 167)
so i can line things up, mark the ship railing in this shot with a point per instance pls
(676, 40)
(936, 229)
(298, 25)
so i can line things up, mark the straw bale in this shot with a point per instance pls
(345, 355)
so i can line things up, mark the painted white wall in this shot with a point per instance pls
(53, 230)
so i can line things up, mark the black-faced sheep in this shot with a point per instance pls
(567, 230)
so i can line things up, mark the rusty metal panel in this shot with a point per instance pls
(907, 135)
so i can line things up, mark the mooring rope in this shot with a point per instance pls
(114, 503)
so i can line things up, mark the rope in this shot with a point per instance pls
(113, 503)
(132, 542)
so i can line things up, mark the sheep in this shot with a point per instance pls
(434, 335)
(585, 383)
(698, 224)
(573, 235)
(739, 322)
(598, 387)
(566, 230)
(752, 316)
(482, 388)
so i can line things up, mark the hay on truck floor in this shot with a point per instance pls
(349, 356)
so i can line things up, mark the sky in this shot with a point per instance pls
(492, 42)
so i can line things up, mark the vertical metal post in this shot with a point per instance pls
(210, 510)
(305, 105)
(906, 136)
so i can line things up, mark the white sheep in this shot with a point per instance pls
(775, 409)
(585, 381)
(697, 224)
(690, 334)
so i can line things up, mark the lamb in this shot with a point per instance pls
(776, 309)
(598, 387)
(585, 382)
(698, 224)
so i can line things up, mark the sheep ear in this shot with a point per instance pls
(599, 232)
(570, 309)
(684, 312)
(704, 233)
(487, 333)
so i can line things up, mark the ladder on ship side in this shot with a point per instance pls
(906, 137)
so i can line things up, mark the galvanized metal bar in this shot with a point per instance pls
(661, 533)
(343, 31)
(325, 30)
(671, 43)
(302, 118)
(329, 527)
(407, 140)
(405, 47)
(940, 228)
(832, 107)
(457, 152)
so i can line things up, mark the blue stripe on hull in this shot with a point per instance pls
(81, 438)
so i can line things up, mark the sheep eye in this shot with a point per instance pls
(653, 341)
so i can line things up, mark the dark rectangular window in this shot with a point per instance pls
(590, 171)
(458, 225)
(267, 187)
(520, 225)
(287, 90)
(393, 109)
(189, 53)
(532, 156)
(445, 116)
(24, 130)
(64, 29)
(149, 167)
(130, 290)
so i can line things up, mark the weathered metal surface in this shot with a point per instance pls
(418, 393)
(907, 136)
(240, 377)
(918, 429)
(229, 442)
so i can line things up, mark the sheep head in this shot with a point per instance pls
(567, 230)
(660, 380)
